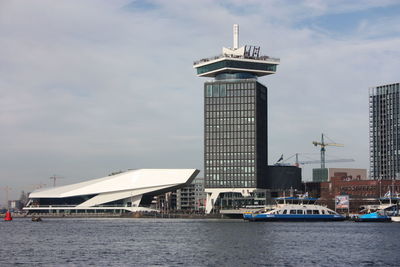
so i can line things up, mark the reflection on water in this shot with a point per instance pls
(172, 242)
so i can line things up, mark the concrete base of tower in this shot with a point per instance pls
(214, 193)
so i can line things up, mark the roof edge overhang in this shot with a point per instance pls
(202, 64)
(72, 191)
(214, 73)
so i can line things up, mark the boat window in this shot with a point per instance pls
(285, 211)
(309, 211)
(299, 211)
(315, 211)
(322, 211)
(292, 211)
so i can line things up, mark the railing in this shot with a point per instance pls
(264, 58)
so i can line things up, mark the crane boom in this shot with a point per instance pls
(299, 162)
(322, 144)
(326, 144)
(326, 161)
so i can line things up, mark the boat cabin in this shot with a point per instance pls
(303, 210)
(296, 200)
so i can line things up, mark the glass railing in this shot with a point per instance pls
(264, 58)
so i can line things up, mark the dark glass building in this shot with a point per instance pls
(235, 133)
(235, 120)
(384, 132)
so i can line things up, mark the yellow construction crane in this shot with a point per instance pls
(323, 145)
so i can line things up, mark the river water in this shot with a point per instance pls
(181, 242)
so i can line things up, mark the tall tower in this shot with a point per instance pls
(384, 125)
(235, 121)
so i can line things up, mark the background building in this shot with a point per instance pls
(15, 205)
(166, 202)
(324, 174)
(384, 129)
(361, 192)
(235, 120)
(283, 177)
(192, 197)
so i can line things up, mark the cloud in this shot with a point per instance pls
(91, 87)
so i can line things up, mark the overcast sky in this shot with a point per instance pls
(91, 87)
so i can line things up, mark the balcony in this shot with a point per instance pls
(261, 58)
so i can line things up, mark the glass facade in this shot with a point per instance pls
(236, 65)
(384, 128)
(235, 133)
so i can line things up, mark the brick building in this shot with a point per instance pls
(361, 192)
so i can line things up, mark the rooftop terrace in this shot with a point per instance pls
(267, 59)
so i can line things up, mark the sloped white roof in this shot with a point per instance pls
(130, 180)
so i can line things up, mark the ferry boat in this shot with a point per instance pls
(295, 209)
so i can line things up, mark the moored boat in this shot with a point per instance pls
(396, 213)
(386, 211)
(374, 217)
(395, 218)
(296, 210)
(36, 219)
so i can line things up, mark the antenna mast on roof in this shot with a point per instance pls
(54, 178)
(235, 36)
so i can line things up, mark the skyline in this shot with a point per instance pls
(93, 87)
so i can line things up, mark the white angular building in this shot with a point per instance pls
(129, 191)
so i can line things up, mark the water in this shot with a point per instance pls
(176, 242)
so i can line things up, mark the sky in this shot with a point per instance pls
(90, 87)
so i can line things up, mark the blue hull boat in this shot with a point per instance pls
(297, 210)
(373, 217)
(292, 218)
